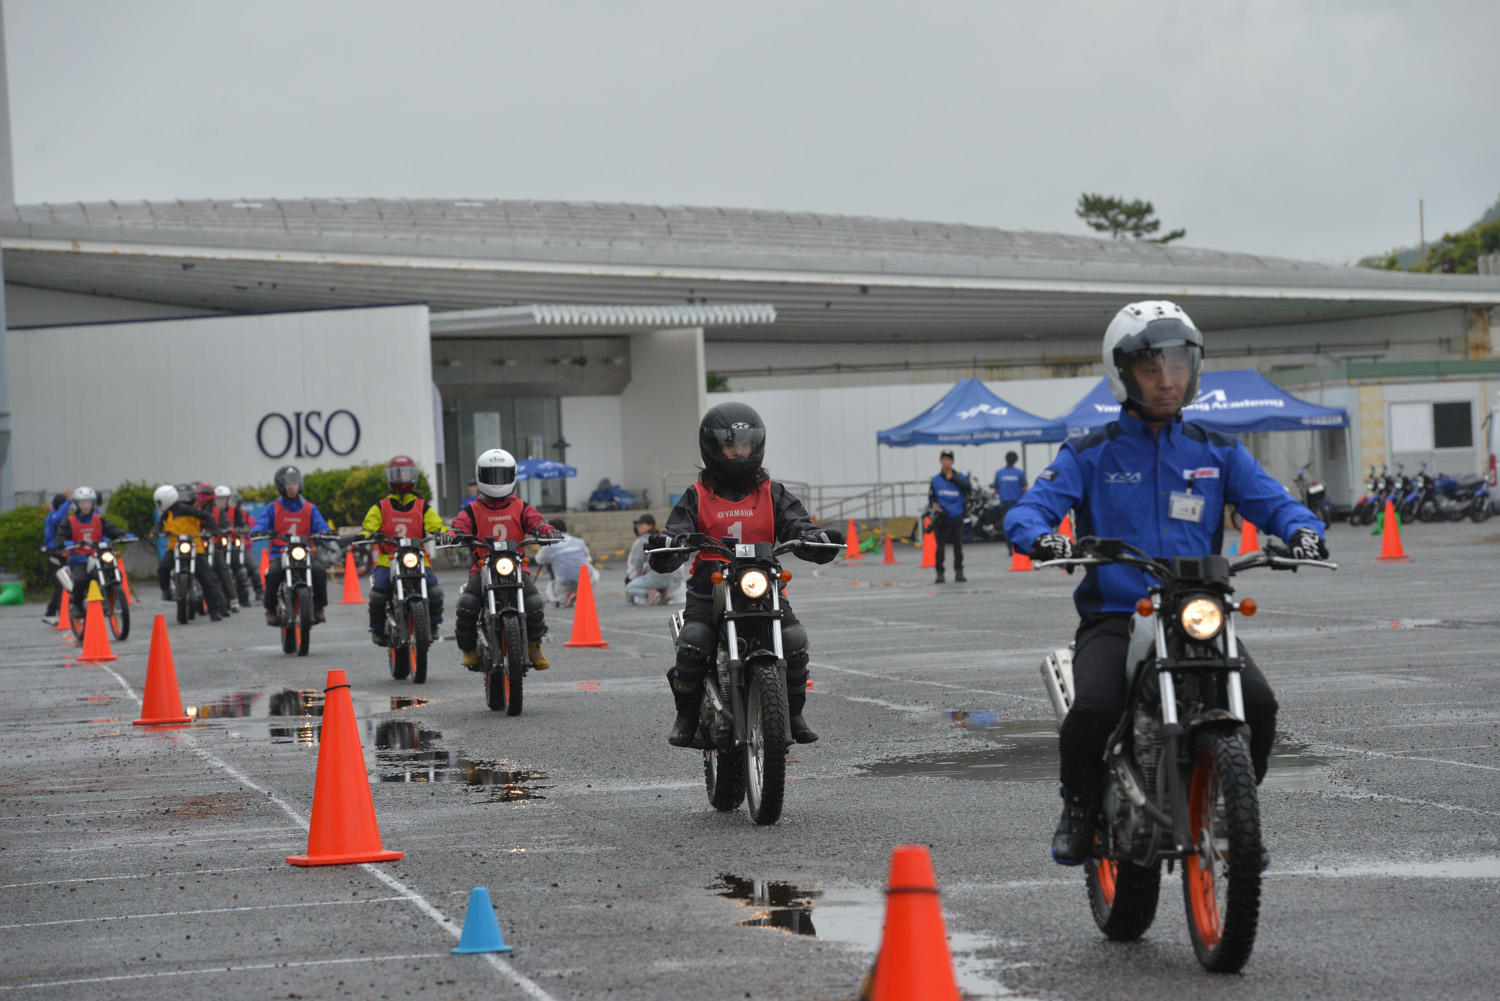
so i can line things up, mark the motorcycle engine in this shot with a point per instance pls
(1147, 748)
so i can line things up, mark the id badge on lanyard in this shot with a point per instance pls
(1186, 505)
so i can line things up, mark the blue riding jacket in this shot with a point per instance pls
(1010, 484)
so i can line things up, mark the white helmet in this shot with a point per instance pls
(1145, 328)
(221, 495)
(82, 494)
(495, 472)
(165, 496)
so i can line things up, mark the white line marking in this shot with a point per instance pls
(209, 971)
(526, 984)
(135, 875)
(207, 910)
(1362, 752)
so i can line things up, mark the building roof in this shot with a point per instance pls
(827, 276)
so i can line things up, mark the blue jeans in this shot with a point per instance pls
(380, 594)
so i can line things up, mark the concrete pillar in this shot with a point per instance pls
(661, 406)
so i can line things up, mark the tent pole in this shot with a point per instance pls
(879, 499)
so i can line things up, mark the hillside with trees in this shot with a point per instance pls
(1456, 253)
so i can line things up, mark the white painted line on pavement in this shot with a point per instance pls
(210, 971)
(206, 910)
(135, 875)
(526, 984)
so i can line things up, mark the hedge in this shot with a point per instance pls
(21, 546)
(343, 495)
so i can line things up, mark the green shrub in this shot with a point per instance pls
(343, 495)
(131, 507)
(21, 546)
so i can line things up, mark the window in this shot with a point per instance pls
(1423, 427)
(1452, 425)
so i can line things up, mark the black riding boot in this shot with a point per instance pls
(686, 723)
(1075, 831)
(801, 732)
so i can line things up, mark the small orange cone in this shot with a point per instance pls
(95, 633)
(1066, 528)
(343, 829)
(65, 614)
(1249, 539)
(162, 702)
(929, 546)
(1019, 560)
(352, 595)
(265, 564)
(890, 552)
(125, 583)
(913, 963)
(585, 617)
(851, 543)
(1390, 536)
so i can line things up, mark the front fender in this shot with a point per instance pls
(1213, 719)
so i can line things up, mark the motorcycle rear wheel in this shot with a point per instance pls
(117, 610)
(1122, 896)
(1221, 880)
(766, 743)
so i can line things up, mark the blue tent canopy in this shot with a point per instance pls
(543, 469)
(969, 414)
(1234, 402)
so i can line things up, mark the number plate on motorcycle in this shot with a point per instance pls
(744, 550)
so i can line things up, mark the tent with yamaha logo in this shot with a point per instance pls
(1240, 401)
(969, 414)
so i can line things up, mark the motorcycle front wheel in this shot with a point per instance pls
(302, 612)
(1122, 897)
(515, 666)
(184, 597)
(724, 779)
(419, 635)
(496, 680)
(1481, 511)
(117, 610)
(766, 742)
(1221, 879)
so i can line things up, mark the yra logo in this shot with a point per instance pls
(1212, 396)
(983, 408)
(1117, 478)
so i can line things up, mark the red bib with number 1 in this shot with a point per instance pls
(749, 519)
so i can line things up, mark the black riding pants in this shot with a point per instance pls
(275, 577)
(950, 531)
(1100, 692)
(465, 632)
(697, 643)
(208, 579)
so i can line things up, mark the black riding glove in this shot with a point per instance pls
(1051, 547)
(656, 540)
(1305, 545)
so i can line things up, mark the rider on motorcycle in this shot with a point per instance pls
(401, 514)
(1159, 483)
(181, 516)
(496, 512)
(84, 527)
(291, 514)
(734, 496)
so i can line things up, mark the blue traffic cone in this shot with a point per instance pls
(481, 929)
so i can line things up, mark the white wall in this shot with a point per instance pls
(174, 400)
(592, 427)
(28, 306)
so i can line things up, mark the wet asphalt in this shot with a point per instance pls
(139, 863)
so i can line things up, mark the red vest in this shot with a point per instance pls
(287, 522)
(502, 523)
(401, 524)
(750, 519)
(85, 533)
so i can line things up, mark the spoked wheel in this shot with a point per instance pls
(496, 680)
(766, 742)
(287, 607)
(184, 598)
(1221, 880)
(1122, 896)
(419, 631)
(724, 778)
(117, 610)
(515, 667)
(400, 660)
(76, 621)
(302, 613)
(1481, 511)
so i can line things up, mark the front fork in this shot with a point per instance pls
(736, 664)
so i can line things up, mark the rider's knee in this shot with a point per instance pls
(468, 606)
(695, 648)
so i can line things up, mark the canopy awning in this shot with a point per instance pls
(1239, 401)
(969, 414)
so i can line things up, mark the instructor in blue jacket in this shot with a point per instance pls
(1160, 483)
(946, 498)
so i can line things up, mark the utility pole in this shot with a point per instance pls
(7, 197)
(1421, 233)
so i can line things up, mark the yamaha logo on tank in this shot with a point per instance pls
(306, 433)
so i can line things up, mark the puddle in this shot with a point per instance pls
(1295, 766)
(406, 752)
(292, 702)
(852, 916)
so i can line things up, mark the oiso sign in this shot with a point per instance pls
(307, 433)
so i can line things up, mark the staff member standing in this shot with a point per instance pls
(947, 496)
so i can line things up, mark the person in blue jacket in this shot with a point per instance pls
(946, 497)
(1159, 483)
(76, 536)
(291, 514)
(1010, 483)
(55, 560)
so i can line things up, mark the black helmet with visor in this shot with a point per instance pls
(732, 443)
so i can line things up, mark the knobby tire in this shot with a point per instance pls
(1222, 897)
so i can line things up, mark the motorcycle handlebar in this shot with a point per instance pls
(1274, 555)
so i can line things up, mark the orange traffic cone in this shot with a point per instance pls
(890, 552)
(162, 702)
(585, 617)
(125, 583)
(913, 962)
(1020, 561)
(1390, 536)
(851, 543)
(1249, 540)
(95, 633)
(265, 564)
(929, 546)
(352, 595)
(1066, 528)
(65, 614)
(343, 829)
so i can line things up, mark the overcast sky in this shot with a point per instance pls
(1297, 128)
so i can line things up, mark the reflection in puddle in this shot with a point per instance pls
(852, 916)
(405, 752)
(306, 703)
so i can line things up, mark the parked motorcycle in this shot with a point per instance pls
(744, 716)
(1180, 785)
(104, 567)
(504, 656)
(1314, 496)
(408, 623)
(294, 601)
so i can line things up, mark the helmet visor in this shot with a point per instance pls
(739, 441)
(496, 476)
(1163, 377)
(401, 474)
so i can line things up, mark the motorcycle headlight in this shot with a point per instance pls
(1202, 618)
(409, 560)
(107, 557)
(505, 566)
(185, 548)
(298, 553)
(754, 583)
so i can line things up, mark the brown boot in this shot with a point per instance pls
(318, 615)
(538, 659)
(272, 619)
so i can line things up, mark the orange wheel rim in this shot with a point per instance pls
(506, 683)
(1104, 872)
(411, 657)
(1200, 879)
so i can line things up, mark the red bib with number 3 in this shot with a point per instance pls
(750, 519)
(401, 524)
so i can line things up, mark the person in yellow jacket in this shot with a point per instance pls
(180, 516)
(401, 514)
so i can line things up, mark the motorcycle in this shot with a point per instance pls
(294, 601)
(1179, 785)
(186, 591)
(1314, 496)
(104, 567)
(504, 656)
(408, 626)
(744, 723)
(216, 552)
(233, 544)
